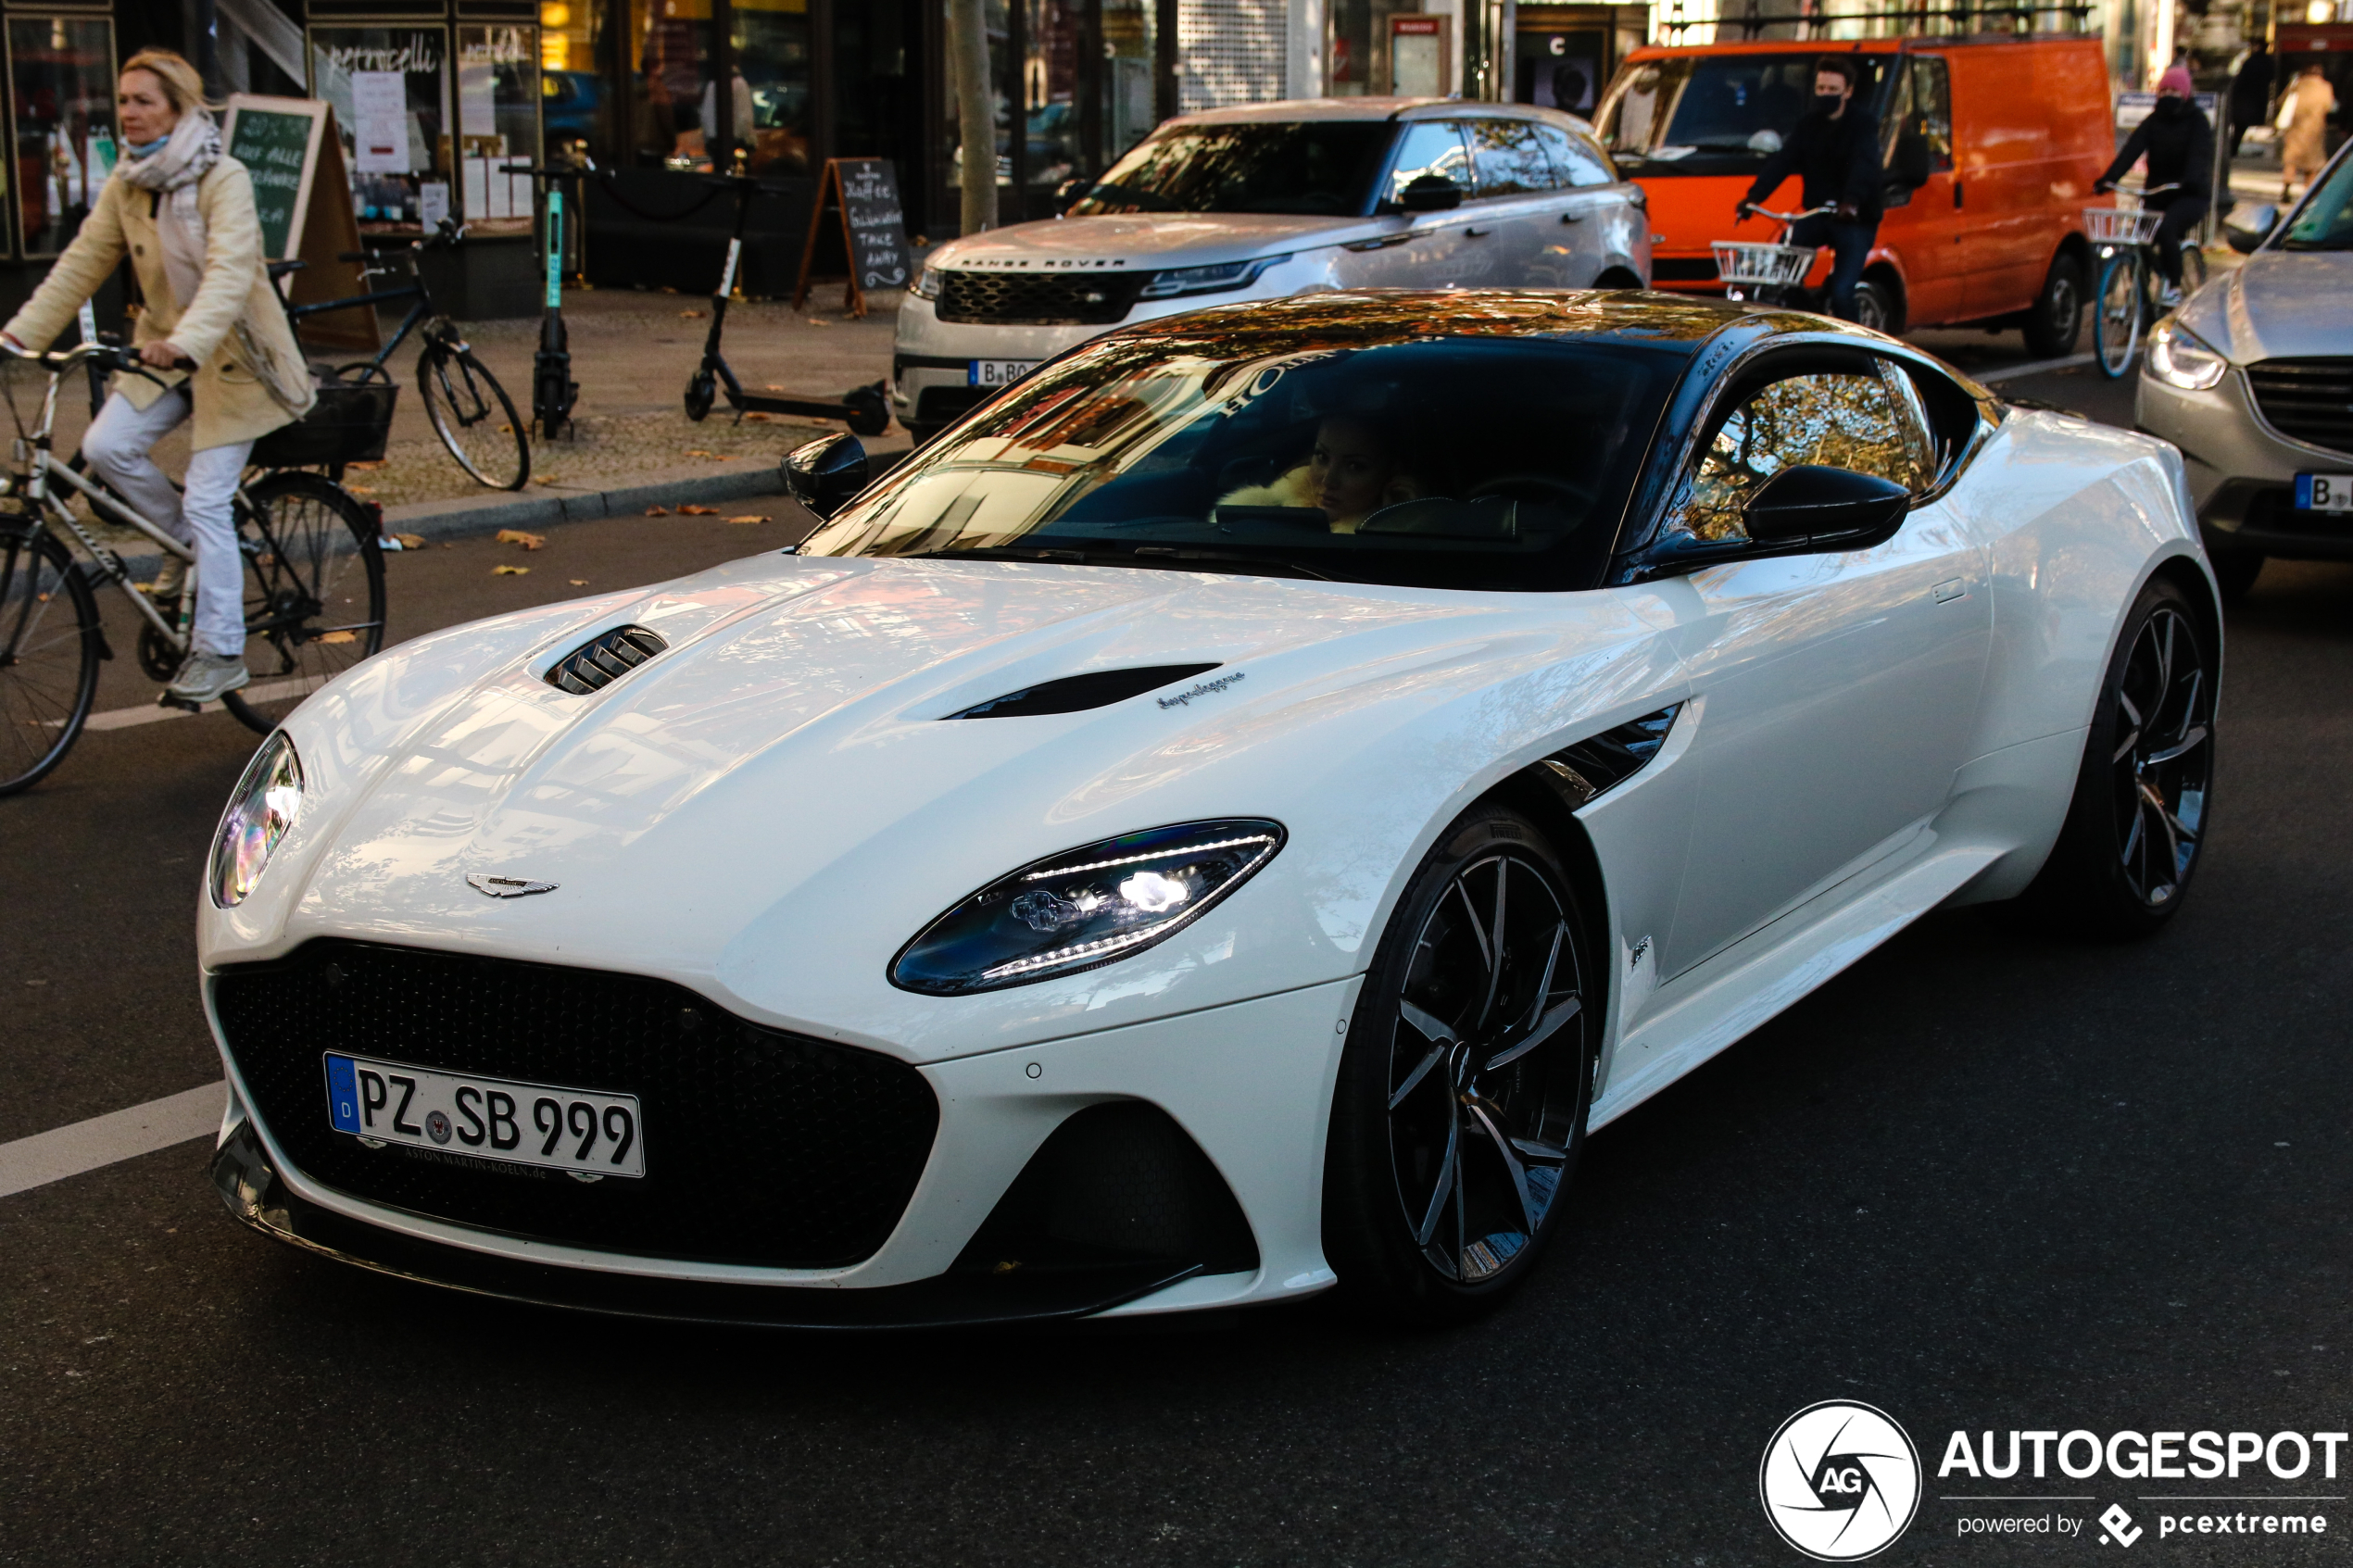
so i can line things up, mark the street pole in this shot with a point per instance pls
(975, 113)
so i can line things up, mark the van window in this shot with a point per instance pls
(1575, 159)
(1924, 106)
(1429, 147)
(1508, 158)
(1715, 113)
(1840, 420)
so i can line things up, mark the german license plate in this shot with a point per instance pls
(2324, 491)
(581, 1131)
(1000, 372)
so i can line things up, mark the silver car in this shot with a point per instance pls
(1265, 202)
(2253, 379)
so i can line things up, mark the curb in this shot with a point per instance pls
(438, 520)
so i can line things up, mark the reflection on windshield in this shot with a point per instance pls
(1328, 445)
(1322, 168)
(2326, 223)
(1713, 107)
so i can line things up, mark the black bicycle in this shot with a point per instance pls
(470, 410)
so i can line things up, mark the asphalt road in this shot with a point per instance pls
(1984, 1180)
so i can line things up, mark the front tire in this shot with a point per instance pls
(50, 645)
(475, 418)
(2055, 319)
(1460, 1109)
(2116, 321)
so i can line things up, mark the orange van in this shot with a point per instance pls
(1991, 149)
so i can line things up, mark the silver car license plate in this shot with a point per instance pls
(2324, 491)
(1000, 372)
(582, 1130)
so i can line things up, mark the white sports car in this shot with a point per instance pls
(1222, 824)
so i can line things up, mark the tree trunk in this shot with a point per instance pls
(975, 112)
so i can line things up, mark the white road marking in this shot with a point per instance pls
(103, 1140)
(2035, 367)
(152, 712)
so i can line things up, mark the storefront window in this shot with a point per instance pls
(574, 104)
(771, 93)
(1050, 92)
(63, 71)
(1358, 63)
(390, 90)
(498, 124)
(1129, 44)
(670, 59)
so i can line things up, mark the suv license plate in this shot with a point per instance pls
(2324, 491)
(1000, 372)
(581, 1131)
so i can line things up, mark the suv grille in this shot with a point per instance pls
(1040, 299)
(761, 1147)
(2308, 400)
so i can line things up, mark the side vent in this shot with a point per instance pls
(1594, 767)
(599, 663)
(1075, 694)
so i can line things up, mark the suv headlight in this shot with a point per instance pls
(926, 283)
(2178, 356)
(261, 808)
(1090, 906)
(1223, 278)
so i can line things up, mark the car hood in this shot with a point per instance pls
(2279, 304)
(771, 807)
(1148, 241)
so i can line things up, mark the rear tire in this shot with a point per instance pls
(2116, 319)
(1876, 306)
(2055, 321)
(50, 645)
(314, 593)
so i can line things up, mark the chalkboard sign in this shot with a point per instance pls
(277, 139)
(861, 194)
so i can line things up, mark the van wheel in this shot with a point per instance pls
(1875, 307)
(2055, 319)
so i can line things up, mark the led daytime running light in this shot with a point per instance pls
(1132, 860)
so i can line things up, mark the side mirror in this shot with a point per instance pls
(1431, 193)
(2247, 227)
(825, 473)
(1909, 168)
(1813, 502)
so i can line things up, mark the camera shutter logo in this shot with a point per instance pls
(1840, 1481)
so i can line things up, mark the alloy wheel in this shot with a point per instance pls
(2164, 756)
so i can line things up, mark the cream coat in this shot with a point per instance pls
(232, 402)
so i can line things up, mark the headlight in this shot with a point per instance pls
(1221, 278)
(1089, 906)
(262, 807)
(2179, 358)
(927, 283)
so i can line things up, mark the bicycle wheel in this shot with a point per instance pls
(50, 645)
(474, 416)
(2116, 325)
(314, 592)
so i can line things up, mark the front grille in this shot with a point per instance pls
(2309, 400)
(761, 1147)
(1040, 299)
(1683, 270)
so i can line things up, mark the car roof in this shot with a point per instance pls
(1859, 45)
(1291, 110)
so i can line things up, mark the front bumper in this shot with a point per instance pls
(2242, 472)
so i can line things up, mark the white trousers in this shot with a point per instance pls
(117, 445)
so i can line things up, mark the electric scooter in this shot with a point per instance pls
(553, 392)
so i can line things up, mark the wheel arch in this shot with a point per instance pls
(1885, 272)
(1619, 274)
(2185, 572)
(1529, 793)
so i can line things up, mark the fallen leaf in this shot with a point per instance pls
(360, 489)
(547, 479)
(752, 517)
(657, 512)
(819, 322)
(516, 536)
(697, 511)
(509, 570)
(336, 638)
(755, 417)
(690, 315)
(411, 541)
(579, 582)
(773, 387)
(374, 465)
(699, 452)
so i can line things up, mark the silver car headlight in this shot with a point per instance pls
(1092, 905)
(1223, 278)
(926, 283)
(2178, 356)
(261, 808)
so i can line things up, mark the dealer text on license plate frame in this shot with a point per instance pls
(2324, 491)
(586, 1132)
(996, 373)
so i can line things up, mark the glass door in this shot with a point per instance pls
(61, 80)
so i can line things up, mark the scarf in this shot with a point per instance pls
(187, 155)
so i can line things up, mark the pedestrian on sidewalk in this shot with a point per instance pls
(1835, 149)
(2179, 145)
(2304, 121)
(2250, 94)
(181, 210)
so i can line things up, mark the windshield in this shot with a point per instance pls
(1455, 462)
(1317, 167)
(2326, 223)
(1713, 114)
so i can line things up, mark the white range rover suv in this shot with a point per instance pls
(1264, 202)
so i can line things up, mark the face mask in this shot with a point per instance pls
(1828, 102)
(2169, 109)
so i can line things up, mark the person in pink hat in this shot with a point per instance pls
(2179, 145)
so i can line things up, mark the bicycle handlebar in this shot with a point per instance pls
(108, 356)
(1795, 218)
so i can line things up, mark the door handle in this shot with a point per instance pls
(1957, 193)
(1383, 243)
(1476, 234)
(1950, 589)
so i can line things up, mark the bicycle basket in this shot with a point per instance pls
(1755, 264)
(348, 424)
(2121, 226)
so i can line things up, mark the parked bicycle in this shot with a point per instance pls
(469, 411)
(2126, 297)
(314, 591)
(1768, 272)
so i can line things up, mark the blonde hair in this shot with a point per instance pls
(182, 85)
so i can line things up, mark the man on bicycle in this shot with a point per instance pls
(2179, 145)
(1835, 149)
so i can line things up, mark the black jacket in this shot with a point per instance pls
(2251, 88)
(1837, 158)
(2179, 149)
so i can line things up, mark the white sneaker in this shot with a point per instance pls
(2169, 295)
(170, 579)
(206, 677)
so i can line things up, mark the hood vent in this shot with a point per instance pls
(1075, 694)
(596, 664)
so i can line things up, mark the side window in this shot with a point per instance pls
(1509, 159)
(1430, 147)
(1840, 420)
(1577, 160)
(1932, 110)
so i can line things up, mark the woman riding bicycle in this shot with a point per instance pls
(182, 211)
(2179, 145)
